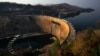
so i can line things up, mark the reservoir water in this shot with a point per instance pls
(85, 20)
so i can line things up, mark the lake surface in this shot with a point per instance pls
(85, 20)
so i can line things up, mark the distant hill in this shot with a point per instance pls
(64, 9)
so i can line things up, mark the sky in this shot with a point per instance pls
(81, 3)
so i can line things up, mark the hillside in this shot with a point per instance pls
(85, 43)
(64, 9)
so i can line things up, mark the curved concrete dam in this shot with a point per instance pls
(58, 29)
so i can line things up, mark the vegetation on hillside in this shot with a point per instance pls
(85, 43)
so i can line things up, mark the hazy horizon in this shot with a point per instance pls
(81, 3)
(94, 4)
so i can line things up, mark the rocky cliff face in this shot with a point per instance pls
(10, 25)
